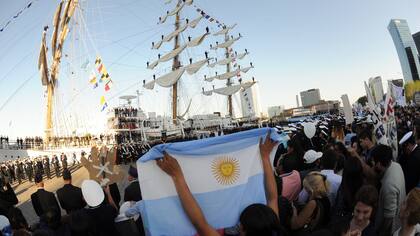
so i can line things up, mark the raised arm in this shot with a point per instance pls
(269, 180)
(171, 167)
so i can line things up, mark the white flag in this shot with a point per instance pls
(375, 111)
(348, 112)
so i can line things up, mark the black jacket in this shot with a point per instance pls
(70, 198)
(7, 199)
(132, 192)
(411, 167)
(44, 201)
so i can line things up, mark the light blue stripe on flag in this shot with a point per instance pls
(204, 147)
(168, 218)
(221, 204)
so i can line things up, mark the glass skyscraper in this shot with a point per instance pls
(406, 49)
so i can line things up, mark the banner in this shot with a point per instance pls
(412, 92)
(375, 113)
(224, 174)
(398, 95)
(348, 111)
(389, 119)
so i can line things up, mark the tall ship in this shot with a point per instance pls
(194, 61)
(181, 58)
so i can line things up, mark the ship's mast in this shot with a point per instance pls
(175, 65)
(49, 123)
(58, 38)
(228, 82)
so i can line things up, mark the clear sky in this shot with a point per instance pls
(295, 45)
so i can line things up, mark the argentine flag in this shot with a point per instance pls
(224, 174)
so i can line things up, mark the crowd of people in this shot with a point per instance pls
(125, 112)
(339, 182)
(24, 169)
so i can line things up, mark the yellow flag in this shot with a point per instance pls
(102, 100)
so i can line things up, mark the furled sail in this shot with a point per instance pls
(228, 60)
(172, 54)
(248, 84)
(176, 10)
(224, 76)
(149, 85)
(42, 64)
(57, 18)
(66, 10)
(224, 30)
(72, 8)
(188, 2)
(229, 90)
(227, 75)
(169, 37)
(246, 69)
(210, 79)
(197, 41)
(157, 45)
(227, 43)
(171, 78)
(196, 66)
(163, 19)
(242, 55)
(195, 22)
(152, 65)
(225, 61)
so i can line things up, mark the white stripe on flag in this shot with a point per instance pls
(198, 173)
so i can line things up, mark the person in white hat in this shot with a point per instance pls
(101, 213)
(312, 159)
(410, 161)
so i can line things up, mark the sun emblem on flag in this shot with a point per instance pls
(225, 170)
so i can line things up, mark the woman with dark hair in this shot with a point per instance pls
(18, 222)
(341, 149)
(364, 211)
(259, 219)
(343, 154)
(256, 219)
(295, 151)
(351, 182)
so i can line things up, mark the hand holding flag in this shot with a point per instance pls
(170, 166)
(267, 146)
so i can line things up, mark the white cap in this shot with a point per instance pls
(124, 207)
(4, 222)
(92, 193)
(406, 137)
(311, 156)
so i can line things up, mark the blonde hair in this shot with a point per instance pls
(316, 184)
(413, 206)
(338, 133)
